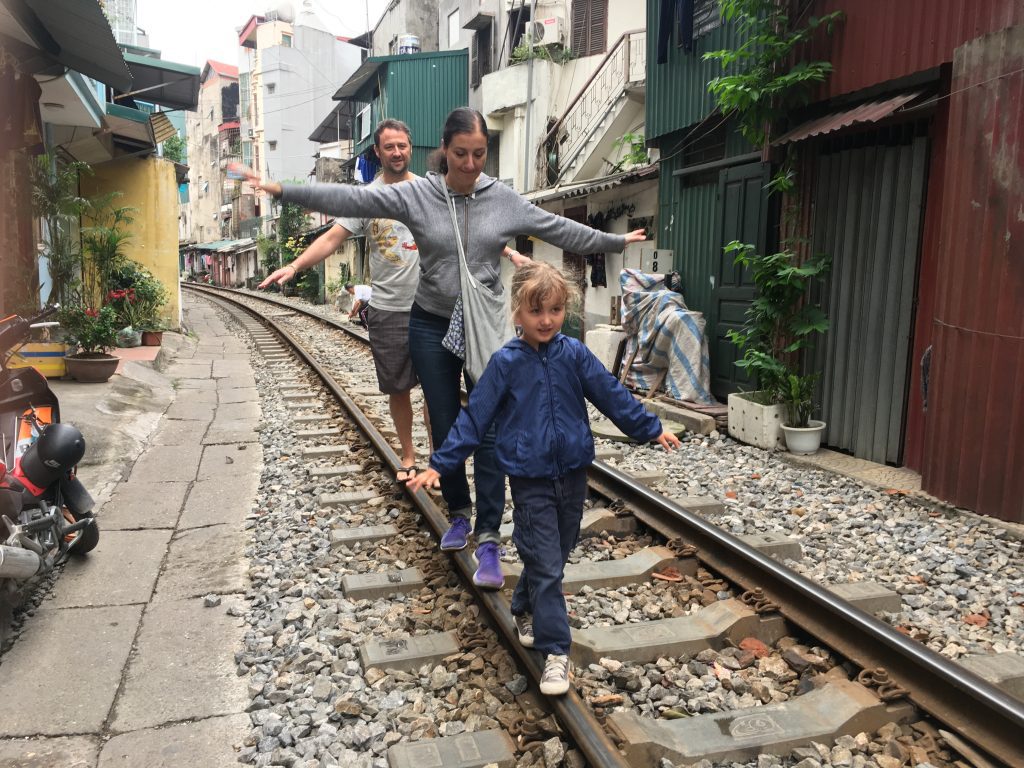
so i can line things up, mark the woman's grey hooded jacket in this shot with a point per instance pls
(488, 218)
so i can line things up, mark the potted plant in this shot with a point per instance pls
(781, 322)
(803, 434)
(91, 332)
(138, 296)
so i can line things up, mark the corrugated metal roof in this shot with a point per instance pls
(583, 188)
(974, 435)
(869, 112)
(881, 40)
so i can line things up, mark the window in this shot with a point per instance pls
(271, 87)
(480, 56)
(589, 27)
(271, 145)
(517, 20)
(454, 28)
(706, 16)
(286, 40)
(363, 122)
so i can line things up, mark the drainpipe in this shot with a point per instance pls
(529, 102)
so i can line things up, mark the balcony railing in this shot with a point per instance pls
(624, 67)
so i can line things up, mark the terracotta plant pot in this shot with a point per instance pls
(152, 338)
(92, 369)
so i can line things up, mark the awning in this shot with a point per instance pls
(74, 34)
(174, 86)
(584, 188)
(358, 79)
(869, 112)
(337, 126)
(130, 127)
(481, 20)
(162, 127)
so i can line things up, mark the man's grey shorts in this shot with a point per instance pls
(389, 342)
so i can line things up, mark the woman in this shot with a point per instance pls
(489, 214)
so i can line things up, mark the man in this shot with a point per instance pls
(394, 271)
(361, 296)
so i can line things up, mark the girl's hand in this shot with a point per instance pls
(427, 477)
(668, 441)
(636, 236)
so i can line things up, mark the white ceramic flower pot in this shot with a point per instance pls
(804, 440)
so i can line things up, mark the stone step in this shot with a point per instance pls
(700, 505)
(308, 418)
(292, 385)
(601, 519)
(607, 453)
(367, 392)
(712, 627)
(467, 750)
(309, 433)
(408, 653)
(870, 596)
(339, 470)
(1003, 670)
(613, 573)
(774, 545)
(346, 499)
(649, 476)
(841, 707)
(364, 533)
(370, 586)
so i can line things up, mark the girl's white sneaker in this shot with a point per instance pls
(555, 680)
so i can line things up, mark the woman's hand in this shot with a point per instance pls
(636, 236)
(239, 171)
(668, 441)
(280, 276)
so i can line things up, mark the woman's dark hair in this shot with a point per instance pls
(460, 120)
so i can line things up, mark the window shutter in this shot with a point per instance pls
(598, 26)
(589, 27)
(580, 23)
(474, 61)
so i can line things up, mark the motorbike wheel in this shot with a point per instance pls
(88, 538)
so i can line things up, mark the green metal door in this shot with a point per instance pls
(742, 213)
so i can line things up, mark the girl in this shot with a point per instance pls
(489, 215)
(534, 390)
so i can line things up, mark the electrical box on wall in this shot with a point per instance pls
(642, 256)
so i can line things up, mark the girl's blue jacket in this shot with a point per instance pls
(536, 400)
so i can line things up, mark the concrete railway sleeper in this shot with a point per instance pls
(670, 682)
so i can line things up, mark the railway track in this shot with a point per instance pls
(725, 606)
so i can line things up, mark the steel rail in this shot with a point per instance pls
(574, 715)
(977, 710)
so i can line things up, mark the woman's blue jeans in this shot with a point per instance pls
(546, 526)
(440, 375)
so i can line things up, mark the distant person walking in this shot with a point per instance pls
(394, 274)
(489, 214)
(535, 390)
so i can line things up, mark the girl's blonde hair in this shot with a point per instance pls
(538, 282)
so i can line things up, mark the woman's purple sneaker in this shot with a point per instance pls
(455, 537)
(488, 572)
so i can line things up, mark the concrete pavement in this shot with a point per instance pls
(122, 665)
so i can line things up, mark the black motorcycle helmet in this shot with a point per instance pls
(59, 448)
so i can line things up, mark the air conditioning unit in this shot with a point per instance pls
(549, 31)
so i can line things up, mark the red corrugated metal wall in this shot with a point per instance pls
(882, 40)
(974, 435)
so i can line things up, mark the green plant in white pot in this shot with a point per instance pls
(781, 323)
(803, 434)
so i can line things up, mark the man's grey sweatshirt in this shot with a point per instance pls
(488, 218)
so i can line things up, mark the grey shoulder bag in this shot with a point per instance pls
(480, 320)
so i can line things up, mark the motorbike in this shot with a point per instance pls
(45, 510)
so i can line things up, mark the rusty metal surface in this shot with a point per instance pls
(882, 40)
(868, 112)
(974, 435)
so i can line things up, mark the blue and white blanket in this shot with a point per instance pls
(664, 334)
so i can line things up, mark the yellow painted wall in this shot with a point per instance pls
(148, 185)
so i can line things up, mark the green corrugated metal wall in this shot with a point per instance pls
(686, 223)
(420, 90)
(677, 94)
